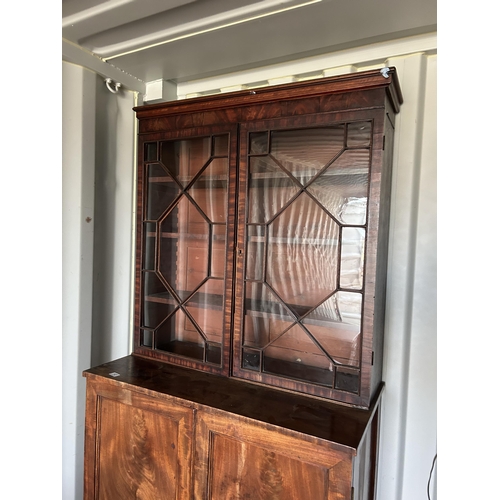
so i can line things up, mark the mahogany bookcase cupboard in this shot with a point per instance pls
(262, 228)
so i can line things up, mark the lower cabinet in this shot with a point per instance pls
(244, 460)
(156, 432)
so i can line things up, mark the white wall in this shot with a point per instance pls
(408, 433)
(97, 193)
(114, 224)
(78, 160)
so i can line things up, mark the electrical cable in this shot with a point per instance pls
(430, 477)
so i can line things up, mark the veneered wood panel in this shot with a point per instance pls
(139, 447)
(139, 461)
(242, 470)
(240, 459)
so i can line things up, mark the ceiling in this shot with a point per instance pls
(182, 40)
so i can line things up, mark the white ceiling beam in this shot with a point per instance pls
(77, 55)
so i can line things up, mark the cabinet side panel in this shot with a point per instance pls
(381, 270)
(365, 465)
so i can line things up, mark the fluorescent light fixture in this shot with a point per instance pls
(220, 21)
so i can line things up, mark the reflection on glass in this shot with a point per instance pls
(265, 315)
(218, 254)
(343, 188)
(352, 257)
(149, 246)
(359, 134)
(270, 189)
(305, 245)
(185, 158)
(259, 143)
(161, 191)
(256, 244)
(305, 152)
(302, 255)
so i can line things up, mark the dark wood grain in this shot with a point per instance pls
(144, 417)
(312, 416)
(366, 96)
(135, 446)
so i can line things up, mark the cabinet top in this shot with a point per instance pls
(382, 78)
(312, 416)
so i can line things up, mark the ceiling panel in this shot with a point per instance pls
(181, 40)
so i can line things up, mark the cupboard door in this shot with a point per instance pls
(237, 459)
(304, 307)
(137, 447)
(186, 222)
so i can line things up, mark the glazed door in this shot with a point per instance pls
(302, 297)
(184, 284)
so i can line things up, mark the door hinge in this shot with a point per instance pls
(373, 356)
(383, 143)
(352, 493)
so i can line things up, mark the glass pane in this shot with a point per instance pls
(259, 143)
(337, 334)
(359, 134)
(184, 248)
(269, 189)
(179, 336)
(206, 308)
(185, 158)
(305, 152)
(210, 190)
(295, 355)
(161, 191)
(221, 145)
(149, 246)
(352, 257)
(343, 188)
(349, 305)
(335, 324)
(347, 380)
(265, 315)
(157, 303)
(151, 151)
(146, 338)
(250, 359)
(302, 255)
(256, 239)
(218, 255)
(213, 353)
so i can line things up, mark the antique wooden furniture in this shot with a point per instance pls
(262, 228)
